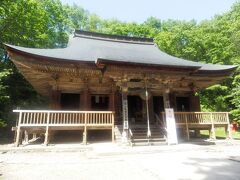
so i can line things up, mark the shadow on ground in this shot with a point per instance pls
(214, 168)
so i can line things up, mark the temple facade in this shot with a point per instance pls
(119, 83)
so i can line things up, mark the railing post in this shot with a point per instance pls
(164, 124)
(229, 133)
(85, 129)
(187, 130)
(213, 136)
(164, 120)
(18, 129)
(47, 129)
(26, 137)
(113, 138)
(34, 136)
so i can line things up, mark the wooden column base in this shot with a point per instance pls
(18, 136)
(46, 140)
(228, 132)
(212, 133)
(85, 136)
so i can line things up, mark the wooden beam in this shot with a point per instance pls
(46, 140)
(18, 129)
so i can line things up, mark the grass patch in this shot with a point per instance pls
(220, 133)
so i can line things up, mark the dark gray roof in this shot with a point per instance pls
(92, 47)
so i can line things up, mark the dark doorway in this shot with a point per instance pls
(100, 135)
(135, 109)
(99, 102)
(158, 105)
(182, 103)
(70, 101)
(67, 136)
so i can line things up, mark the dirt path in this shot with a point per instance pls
(108, 161)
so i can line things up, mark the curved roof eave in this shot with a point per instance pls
(87, 47)
(60, 54)
(217, 67)
(42, 55)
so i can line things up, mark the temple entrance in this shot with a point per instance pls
(135, 109)
(182, 103)
(99, 102)
(70, 101)
(158, 105)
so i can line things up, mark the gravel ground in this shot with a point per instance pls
(110, 161)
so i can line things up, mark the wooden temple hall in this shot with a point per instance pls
(115, 84)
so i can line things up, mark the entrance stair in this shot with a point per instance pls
(139, 135)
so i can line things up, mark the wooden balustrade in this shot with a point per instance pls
(206, 118)
(64, 119)
(202, 120)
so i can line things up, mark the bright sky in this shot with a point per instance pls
(140, 10)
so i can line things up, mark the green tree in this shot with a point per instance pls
(235, 96)
(31, 23)
(153, 22)
(78, 17)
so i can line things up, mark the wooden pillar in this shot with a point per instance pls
(34, 136)
(166, 99)
(125, 112)
(85, 103)
(209, 132)
(187, 129)
(46, 140)
(113, 128)
(18, 137)
(85, 129)
(118, 108)
(111, 106)
(213, 135)
(18, 130)
(228, 132)
(228, 128)
(125, 109)
(55, 100)
(26, 139)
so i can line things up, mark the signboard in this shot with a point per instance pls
(171, 126)
(125, 114)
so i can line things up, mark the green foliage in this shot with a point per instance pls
(235, 96)
(4, 97)
(220, 133)
(78, 17)
(218, 103)
(28, 23)
(33, 23)
(153, 22)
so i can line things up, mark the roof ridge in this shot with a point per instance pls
(111, 37)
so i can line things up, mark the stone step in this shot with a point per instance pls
(140, 134)
(149, 143)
